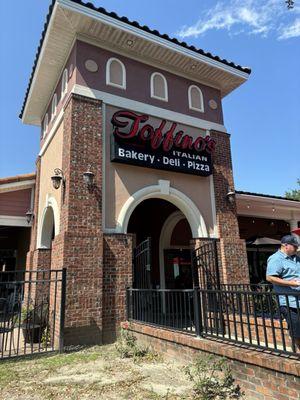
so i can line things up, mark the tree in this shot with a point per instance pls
(290, 4)
(295, 193)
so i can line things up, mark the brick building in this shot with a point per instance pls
(134, 164)
(132, 131)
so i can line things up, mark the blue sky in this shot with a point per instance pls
(263, 115)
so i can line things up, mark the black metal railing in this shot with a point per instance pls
(169, 308)
(242, 314)
(31, 311)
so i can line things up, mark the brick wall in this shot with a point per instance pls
(232, 248)
(260, 375)
(80, 248)
(117, 276)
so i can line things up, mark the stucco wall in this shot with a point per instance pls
(51, 159)
(138, 83)
(121, 181)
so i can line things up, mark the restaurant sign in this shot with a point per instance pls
(134, 141)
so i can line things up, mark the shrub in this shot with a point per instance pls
(127, 347)
(212, 379)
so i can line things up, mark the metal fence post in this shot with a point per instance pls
(197, 312)
(127, 303)
(62, 309)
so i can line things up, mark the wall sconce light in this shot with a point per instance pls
(29, 216)
(58, 178)
(88, 178)
(230, 196)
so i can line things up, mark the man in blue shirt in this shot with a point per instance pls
(283, 271)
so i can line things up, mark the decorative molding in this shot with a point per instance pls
(191, 107)
(213, 104)
(164, 186)
(150, 37)
(50, 203)
(108, 80)
(127, 103)
(52, 132)
(91, 65)
(53, 106)
(152, 92)
(269, 201)
(9, 187)
(64, 84)
(11, 220)
(179, 199)
(147, 61)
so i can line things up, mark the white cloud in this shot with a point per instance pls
(249, 16)
(292, 30)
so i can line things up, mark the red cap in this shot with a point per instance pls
(297, 231)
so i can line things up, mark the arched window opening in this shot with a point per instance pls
(45, 125)
(159, 87)
(53, 106)
(115, 73)
(64, 83)
(195, 99)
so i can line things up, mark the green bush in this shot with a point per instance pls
(212, 379)
(127, 347)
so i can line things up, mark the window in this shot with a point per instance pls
(45, 126)
(64, 83)
(115, 73)
(159, 87)
(195, 99)
(53, 106)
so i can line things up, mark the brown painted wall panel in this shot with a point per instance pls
(138, 83)
(15, 203)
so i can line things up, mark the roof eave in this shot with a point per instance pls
(235, 71)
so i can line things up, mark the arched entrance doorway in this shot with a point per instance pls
(169, 234)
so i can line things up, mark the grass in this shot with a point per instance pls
(96, 372)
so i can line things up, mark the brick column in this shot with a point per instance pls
(233, 249)
(117, 276)
(79, 246)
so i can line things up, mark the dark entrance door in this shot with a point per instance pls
(178, 269)
(142, 265)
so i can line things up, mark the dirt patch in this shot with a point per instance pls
(94, 373)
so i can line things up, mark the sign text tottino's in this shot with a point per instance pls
(134, 141)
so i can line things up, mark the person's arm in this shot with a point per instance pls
(282, 282)
(274, 272)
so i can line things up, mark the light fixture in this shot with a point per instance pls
(29, 216)
(248, 206)
(58, 178)
(130, 42)
(272, 223)
(88, 178)
(230, 196)
(273, 208)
